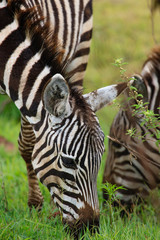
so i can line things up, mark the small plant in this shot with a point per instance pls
(147, 118)
(119, 63)
(111, 190)
(140, 109)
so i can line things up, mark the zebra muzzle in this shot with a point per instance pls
(77, 230)
(88, 220)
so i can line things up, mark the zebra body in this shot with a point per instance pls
(131, 162)
(41, 68)
(74, 50)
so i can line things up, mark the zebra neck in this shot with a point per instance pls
(23, 72)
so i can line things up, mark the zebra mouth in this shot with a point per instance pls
(88, 220)
(78, 229)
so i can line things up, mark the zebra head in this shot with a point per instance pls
(68, 151)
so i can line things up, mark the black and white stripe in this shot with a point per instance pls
(131, 162)
(39, 39)
(44, 48)
(72, 22)
(70, 169)
(73, 25)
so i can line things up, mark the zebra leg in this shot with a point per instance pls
(26, 143)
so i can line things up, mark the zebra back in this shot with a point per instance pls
(134, 161)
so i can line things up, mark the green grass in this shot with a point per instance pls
(16, 221)
(122, 28)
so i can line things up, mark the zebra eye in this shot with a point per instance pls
(69, 162)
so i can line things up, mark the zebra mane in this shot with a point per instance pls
(88, 116)
(33, 25)
(154, 56)
(155, 4)
(154, 59)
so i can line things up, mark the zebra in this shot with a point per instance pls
(131, 162)
(44, 47)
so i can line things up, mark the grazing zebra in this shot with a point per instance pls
(44, 47)
(131, 162)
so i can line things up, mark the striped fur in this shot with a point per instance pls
(35, 44)
(131, 162)
(71, 22)
(44, 48)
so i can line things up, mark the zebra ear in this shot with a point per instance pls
(139, 84)
(56, 96)
(103, 96)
